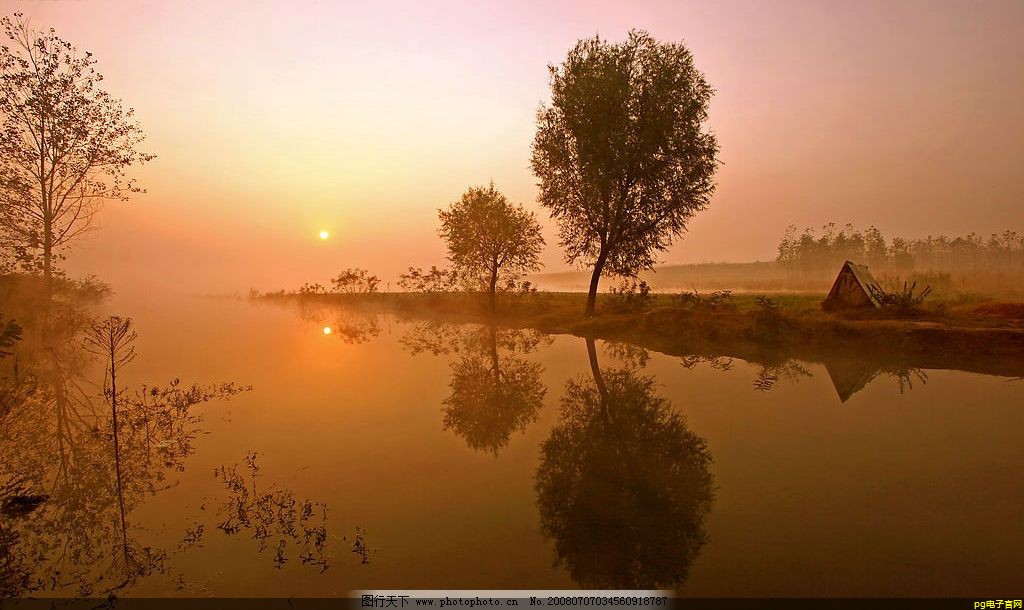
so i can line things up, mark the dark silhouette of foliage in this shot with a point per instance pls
(60, 440)
(432, 281)
(623, 486)
(631, 356)
(275, 518)
(494, 390)
(312, 288)
(771, 374)
(344, 323)
(66, 144)
(10, 333)
(768, 318)
(904, 299)
(492, 394)
(629, 296)
(489, 239)
(905, 377)
(719, 300)
(434, 337)
(114, 340)
(718, 363)
(355, 281)
(622, 154)
(361, 547)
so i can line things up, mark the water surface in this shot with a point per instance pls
(374, 452)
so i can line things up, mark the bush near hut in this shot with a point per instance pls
(904, 299)
(768, 319)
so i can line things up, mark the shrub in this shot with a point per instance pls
(903, 299)
(309, 288)
(630, 295)
(719, 300)
(768, 318)
(435, 280)
(355, 281)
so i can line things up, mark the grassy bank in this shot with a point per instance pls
(972, 335)
(772, 277)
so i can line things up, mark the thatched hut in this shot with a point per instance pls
(854, 288)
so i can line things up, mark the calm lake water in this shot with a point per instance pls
(406, 454)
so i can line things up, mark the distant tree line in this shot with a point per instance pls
(814, 253)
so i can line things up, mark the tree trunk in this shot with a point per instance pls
(47, 253)
(596, 370)
(594, 280)
(607, 409)
(495, 363)
(494, 289)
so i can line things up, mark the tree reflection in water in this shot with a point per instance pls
(770, 374)
(60, 443)
(348, 325)
(495, 392)
(623, 486)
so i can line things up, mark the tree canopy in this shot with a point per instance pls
(66, 144)
(622, 153)
(494, 391)
(489, 238)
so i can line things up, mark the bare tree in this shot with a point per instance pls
(622, 154)
(66, 144)
(489, 237)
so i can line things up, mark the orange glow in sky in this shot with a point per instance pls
(905, 115)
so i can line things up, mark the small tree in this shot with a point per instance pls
(355, 281)
(622, 154)
(65, 144)
(490, 238)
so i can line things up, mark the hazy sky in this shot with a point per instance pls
(275, 120)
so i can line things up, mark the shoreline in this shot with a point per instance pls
(956, 338)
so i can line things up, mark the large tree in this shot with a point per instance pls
(622, 153)
(66, 144)
(490, 238)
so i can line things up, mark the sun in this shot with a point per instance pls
(324, 234)
(327, 330)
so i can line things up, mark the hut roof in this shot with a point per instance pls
(854, 287)
(866, 280)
